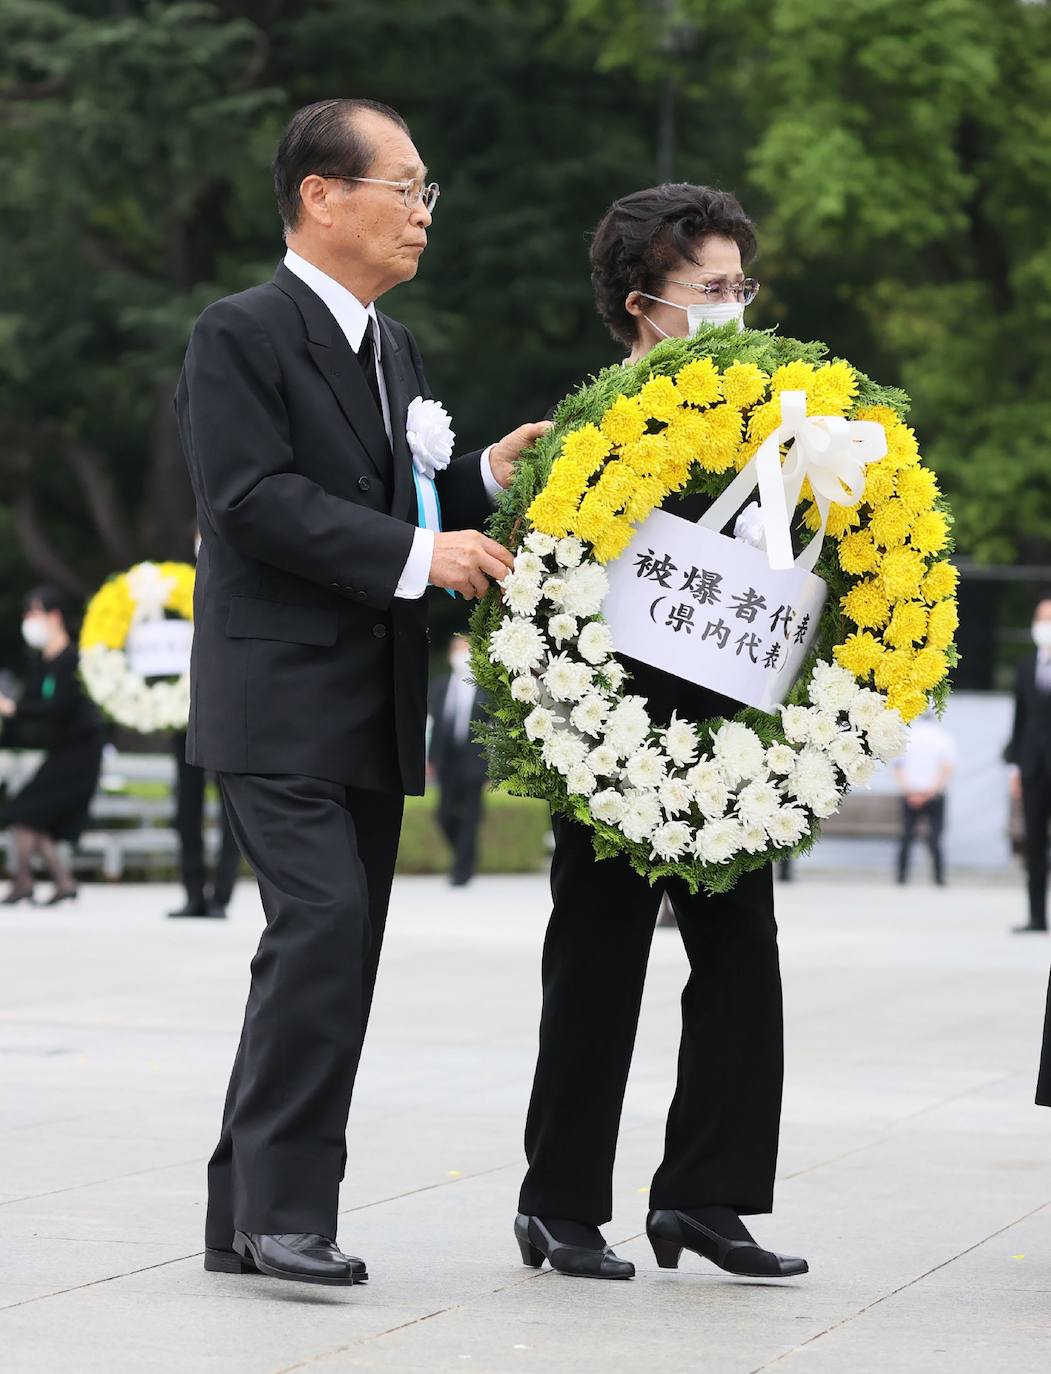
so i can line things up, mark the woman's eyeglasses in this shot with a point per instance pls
(722, 290)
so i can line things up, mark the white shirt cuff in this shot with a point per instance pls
(413, 581)
(493, 489)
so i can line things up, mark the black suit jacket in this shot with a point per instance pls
(1030, 743)
(467, 756)
(303, 659)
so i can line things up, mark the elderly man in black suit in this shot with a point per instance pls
(327, 504)
(1029, 753)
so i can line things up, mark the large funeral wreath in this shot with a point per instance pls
(708, 800)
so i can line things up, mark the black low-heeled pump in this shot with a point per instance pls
(670, 1233)
(14, 898)
(538, 1244)
(70, 894)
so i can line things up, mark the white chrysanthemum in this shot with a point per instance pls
(812, 778)
(528, 564)
(540, 723)
(585, 589)
(608, 806)
(646, 768)
(758, 802)
(615, 674)
(795, 721)
(595, 643)
(521, 594)
(753, 837)
(824, 803)
(581, 780)
(680, 740)
(887, 735)
(554, 590)
(518, 645)
(823, 729)
(642, 814)
(541, 544)
(712, 801)
(430, 435)
(603, 761)
(706, 773)
(788, 826)
(780, 758)
(561, 628)
(670, 840)
(863, 771)
(832, 687)
(588, 717)
(628, 725)
(868, 706)
(525, 689)
(738, 750)
(676, 797)
(564, 751)
(565, 679)
(718, 841)
(845, 751)
(569, 552)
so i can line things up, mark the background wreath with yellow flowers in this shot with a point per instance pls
(111, 681)
(708, 800)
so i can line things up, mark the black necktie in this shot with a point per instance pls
(366, 356)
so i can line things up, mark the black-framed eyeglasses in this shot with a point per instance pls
(744, 291)
(414, 192)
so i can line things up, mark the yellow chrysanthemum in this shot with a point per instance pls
(764, 420)
(866, 605)
(684, 435)
(918, 488)
(907, 701)
(883, 415)
(941, 582)
(857, 553)
(647, 455)
(928, 669)
(832, 390)
(699, 382)
(941, 624)
(648, 494)
(720, 438)
(613, 541)
(879, 483)
(552, 513)
(587, 446)
(797, 376)
(930, 532)
(900, 574)
(902, 449)
(859, 653)
(659, 398)
(890, 523)
(840, 519)
(108, 616)
(894, 669)
(624, 422)
(744, 384)
(908, 625)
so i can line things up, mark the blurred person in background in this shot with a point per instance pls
(1029, 754)
(457, 760)
(54, 714)
(203, 898)
(922, 774)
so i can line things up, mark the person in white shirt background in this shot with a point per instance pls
(923, 773)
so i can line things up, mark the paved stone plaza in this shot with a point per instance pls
(915, 1171)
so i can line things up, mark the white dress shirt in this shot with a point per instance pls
(459, 702)
(929, 754)
(353, 318)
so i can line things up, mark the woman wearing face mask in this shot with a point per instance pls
(664, 262)
(53, 713)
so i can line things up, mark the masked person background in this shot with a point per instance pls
(664, 261)
(54, 714)
(1029, 754)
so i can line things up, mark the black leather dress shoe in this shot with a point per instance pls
(304, 1258)
(218, 1261)
(1029, 930)
(538, 1244)
(671, 1233)
(200, 909)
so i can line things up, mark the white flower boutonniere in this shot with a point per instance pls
(430, 435)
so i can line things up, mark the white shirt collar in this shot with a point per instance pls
(351, 316)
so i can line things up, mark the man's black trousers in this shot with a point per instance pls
(723, 1126)
(324, 857)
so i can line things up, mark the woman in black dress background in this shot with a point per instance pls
(54, 714)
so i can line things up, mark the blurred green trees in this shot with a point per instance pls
(896, 155)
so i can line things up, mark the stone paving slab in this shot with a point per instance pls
(915, 1173)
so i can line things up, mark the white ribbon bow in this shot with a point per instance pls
(149, 590)
(430, 434)
(830, 452)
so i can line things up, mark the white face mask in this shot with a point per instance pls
(35, 631)
(1042, 634)
(722, 312)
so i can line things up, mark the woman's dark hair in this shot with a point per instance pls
(640, 236)
(50, 599)
(323, 138)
